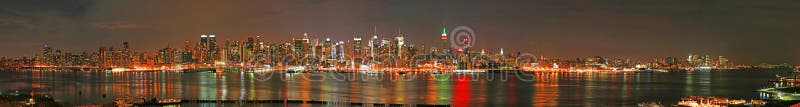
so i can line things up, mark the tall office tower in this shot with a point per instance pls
(187, 57)
(103, 57)
(706, 60)
(112, 57)
(357, 52)
(202, 52)
(326, 48)
(187, 46)
(313, 47)
(399, 43)
(227, 52)
(301, 45)
(373, 44)
(340, 50)
(444, 39)
(258, 45)
(261, 47)
(271, 48)
(357, 47)
(126, 55)
(249, 47)
(48, 55)
(306, 44)
(333, 51)
(213, 50)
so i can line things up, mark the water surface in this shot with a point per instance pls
(485, 89)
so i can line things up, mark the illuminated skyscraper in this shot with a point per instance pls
(249, 47)
(444, 39)
(357, 46)
(327, 49)
(306, 45)
(202, 52)
(126, 55)
(373, 44)
(301, 45)
(398, 45)
(298, 46)
(213, 50)
(340, 51)
(357, 51)
(48, 55)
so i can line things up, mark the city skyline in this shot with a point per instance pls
(378, 53)
(619, 29)
(381, 36)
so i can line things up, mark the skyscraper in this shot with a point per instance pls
(398, 45)
(357, 56)
(213, 51)
(203, 49)
(373, 43)
(126, 55)
(47, 55)
(444, 39)
(357, 47)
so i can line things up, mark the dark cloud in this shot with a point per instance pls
(747, 31)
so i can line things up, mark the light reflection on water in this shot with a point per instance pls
(492, 89)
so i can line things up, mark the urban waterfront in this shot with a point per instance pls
(478, 89)
(417, 53)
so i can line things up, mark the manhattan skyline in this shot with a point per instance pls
(747, 32)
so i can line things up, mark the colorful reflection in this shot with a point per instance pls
(549, 89)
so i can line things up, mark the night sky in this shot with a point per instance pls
(745, 31)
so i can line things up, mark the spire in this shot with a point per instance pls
(444, 30)
(444, 33)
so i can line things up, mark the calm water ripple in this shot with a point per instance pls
(487, 89)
